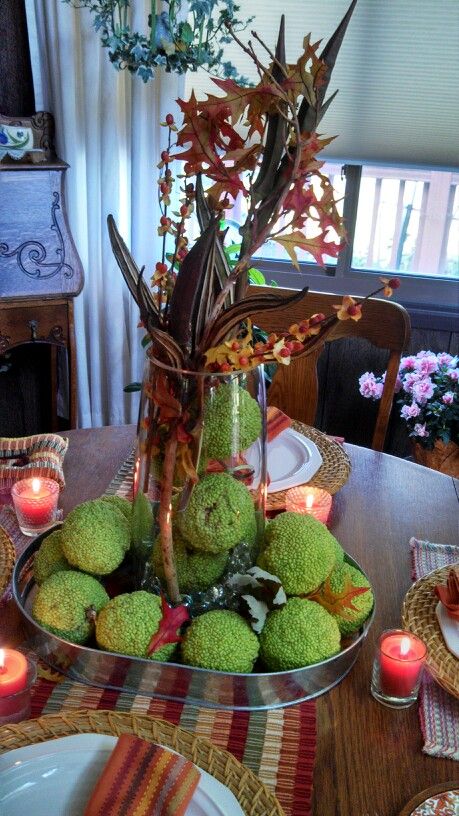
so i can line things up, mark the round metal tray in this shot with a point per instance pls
(172, 681)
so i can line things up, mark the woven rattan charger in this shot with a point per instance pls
(418, 616)
(333, 472)
(254, 798)
(7, 560)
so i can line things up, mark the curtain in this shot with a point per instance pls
(107, 129)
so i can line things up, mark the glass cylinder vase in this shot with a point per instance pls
(200, 479)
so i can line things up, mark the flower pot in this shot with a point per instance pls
(200, 481)
(443, 457)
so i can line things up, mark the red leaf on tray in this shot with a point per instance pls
(337, 603)
(449, 593)
(171, 621)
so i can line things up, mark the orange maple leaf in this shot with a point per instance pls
(338, 603)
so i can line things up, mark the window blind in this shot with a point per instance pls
(397, 75)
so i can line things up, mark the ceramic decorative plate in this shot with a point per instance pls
(438, 800)
(64, 771)
(441, 804)
(293, 459)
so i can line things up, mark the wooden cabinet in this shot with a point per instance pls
(50, 322)
(40, 271)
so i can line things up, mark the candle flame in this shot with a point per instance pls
(2, 658)
(309, 500)
(404, 646)
(36, 485)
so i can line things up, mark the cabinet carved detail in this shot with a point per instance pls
(31, 256)
(56, 335)
(4, 343)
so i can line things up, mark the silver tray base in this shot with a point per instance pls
(173, 681)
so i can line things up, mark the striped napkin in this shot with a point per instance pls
(438, 711)
(143, 779)
(26, 456)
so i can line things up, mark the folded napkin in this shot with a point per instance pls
(143, 779)
(449, 593)
(30, 456)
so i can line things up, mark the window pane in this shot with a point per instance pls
(407, 221)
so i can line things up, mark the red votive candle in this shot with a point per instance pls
(398, 667)
(17, 674)
(311, 501)
(35, 502)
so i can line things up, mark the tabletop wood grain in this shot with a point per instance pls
(369, 758)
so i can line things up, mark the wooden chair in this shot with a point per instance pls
(294, 388)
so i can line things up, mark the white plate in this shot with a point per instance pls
(292, 460)
(56, 778)
(449, 629)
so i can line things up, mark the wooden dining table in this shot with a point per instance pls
(369, 759)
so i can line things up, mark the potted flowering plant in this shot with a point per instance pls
(427, 385)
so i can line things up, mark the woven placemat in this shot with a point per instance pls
(7, 560)
(418, 616)
(331, 476)
(254, 798)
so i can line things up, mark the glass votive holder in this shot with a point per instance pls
(15, 707)
(35, 502)
(311, 501)
(397, 668)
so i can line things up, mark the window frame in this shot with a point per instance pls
(436, 294)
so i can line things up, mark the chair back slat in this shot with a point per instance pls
(294, 388)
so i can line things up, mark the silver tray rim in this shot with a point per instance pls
(237, 677)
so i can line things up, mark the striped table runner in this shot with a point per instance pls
(279, 745)
(438, 711)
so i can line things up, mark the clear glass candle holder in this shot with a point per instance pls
(397, 668)
(35, 503)
(15, 707)
(311, 501)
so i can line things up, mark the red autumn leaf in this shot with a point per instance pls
(338, 603)
(171, 621)
(257, 99)
(317, 246)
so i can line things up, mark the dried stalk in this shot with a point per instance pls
(165, 518)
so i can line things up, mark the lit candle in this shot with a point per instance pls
(397, 668)
(16, 677)
(35, 503)
(312, 501)
(401, 660)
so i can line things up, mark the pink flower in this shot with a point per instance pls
(423, 390)
(448, 398)
(444, 359)
(409, 381)
(420, 430)
(408, 362)
(427, 365)
(410, 411)
(453, 375)
(369, 388)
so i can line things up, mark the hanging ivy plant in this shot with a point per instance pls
(177, 40)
